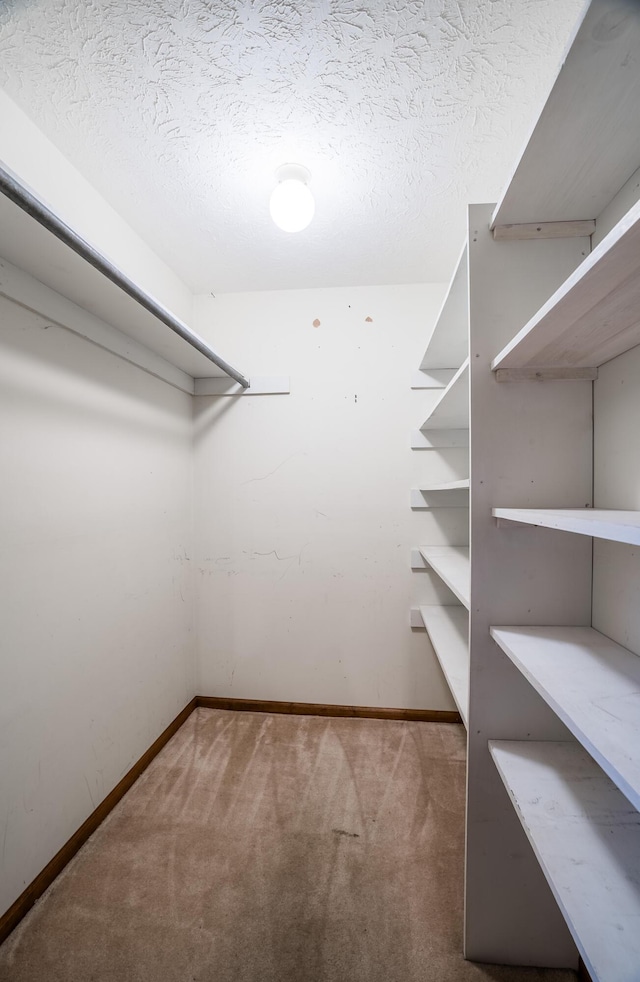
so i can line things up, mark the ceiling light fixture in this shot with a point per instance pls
(291, 204)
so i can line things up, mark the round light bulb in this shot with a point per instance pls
(291, 204)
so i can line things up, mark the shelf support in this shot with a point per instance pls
(546, 374)
(543, 230)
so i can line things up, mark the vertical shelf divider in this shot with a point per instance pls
(521, 437)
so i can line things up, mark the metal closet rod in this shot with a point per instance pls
(15, 190)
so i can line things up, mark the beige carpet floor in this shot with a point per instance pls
(263, 848)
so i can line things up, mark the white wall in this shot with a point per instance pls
(616, 566)
(96, 645)
(302, 501)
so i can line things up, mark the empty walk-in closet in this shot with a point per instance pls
(320, 494)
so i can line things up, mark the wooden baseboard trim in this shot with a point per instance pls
(323, 709)
(12, 917)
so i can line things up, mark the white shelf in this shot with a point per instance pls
(30, 248)
(593, 684)
(432, 379)
(448, 629)
(601, 523)
(586, 837)
(593, 316)
(451, 411)
(440, 439)
(449, 343)
(446, 486)
(455, 496)
(585, 143)
(451, 563)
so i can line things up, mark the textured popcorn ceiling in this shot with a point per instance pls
(179, 112)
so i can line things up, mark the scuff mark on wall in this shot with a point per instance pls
(89, 790)
(289, 559)
(274, 552)
(4, 835)
(298, 453)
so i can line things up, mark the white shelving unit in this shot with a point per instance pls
(553, 866)
(446, 428)
(586, 837)
(548, 289)
(448, 629)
